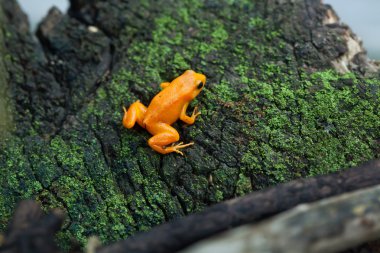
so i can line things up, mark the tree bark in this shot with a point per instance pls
(177, 235)
(330, 225)
(274, 108)
(343, 207)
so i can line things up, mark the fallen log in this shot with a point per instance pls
(31, 230)
(254, 207)
(326, 226)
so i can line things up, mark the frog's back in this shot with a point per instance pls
(165, 106)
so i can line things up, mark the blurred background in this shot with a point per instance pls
(364, 19)
(37, 9)
(362, 16)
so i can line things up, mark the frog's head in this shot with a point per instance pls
(196, 82)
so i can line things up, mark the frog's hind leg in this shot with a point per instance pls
(165, 135)
(136, 112)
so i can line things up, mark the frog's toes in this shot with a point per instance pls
(176, 147)
(195, 113)
(179, 152)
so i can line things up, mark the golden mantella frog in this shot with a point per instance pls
(167, 107)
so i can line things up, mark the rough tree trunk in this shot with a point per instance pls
(176, 235)
(274, 108)
(327, 226)
(346, 207)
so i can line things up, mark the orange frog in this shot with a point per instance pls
(166, 108)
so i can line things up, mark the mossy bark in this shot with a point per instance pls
(274, 108)
(257, 206)
(330, 225)
(5, 112)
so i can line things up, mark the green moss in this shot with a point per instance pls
(257, 22)
(316, 127)
(17, 180)
(6, 109)
(244, 185)
(225, 92)
(69, 156)
(180, 62)
(218, 195)
(219, 34)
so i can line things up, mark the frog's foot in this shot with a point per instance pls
(189, 120)
(176, 147)
(164, 138)
(195, 113)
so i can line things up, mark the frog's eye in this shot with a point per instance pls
(200, 85)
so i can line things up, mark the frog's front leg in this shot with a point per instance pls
(136, 112)
(164, 135)
(189, 120)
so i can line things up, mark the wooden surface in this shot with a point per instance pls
(254, 207)
(326, 226)
(279, 105)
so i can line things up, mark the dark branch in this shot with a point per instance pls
(30, 231)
